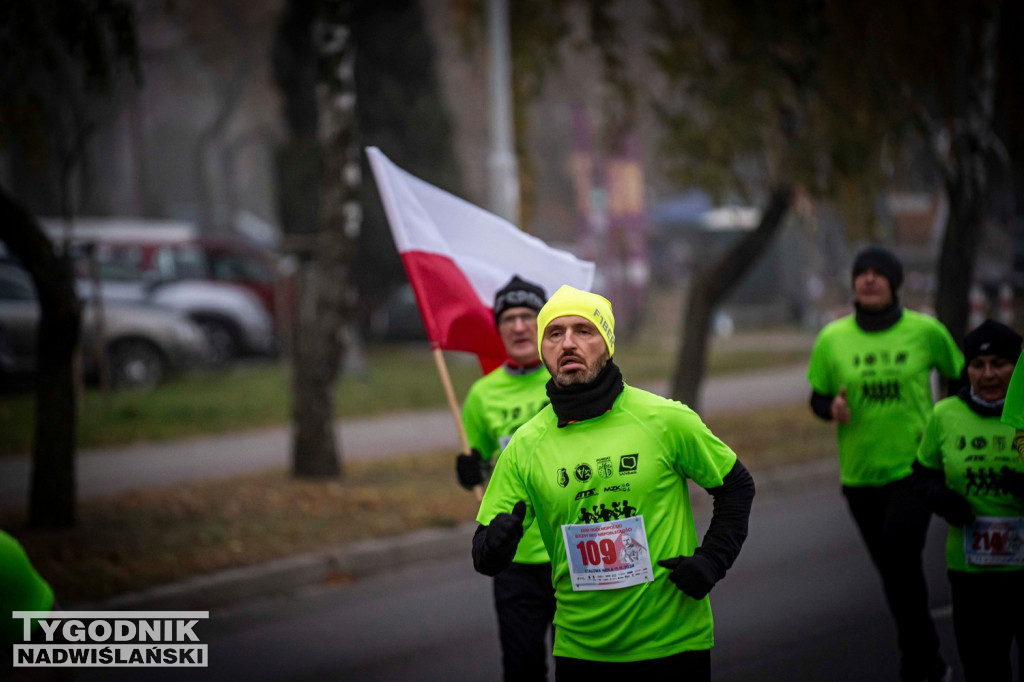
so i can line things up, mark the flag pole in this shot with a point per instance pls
(453, 405)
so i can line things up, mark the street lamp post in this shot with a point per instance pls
(504, 174)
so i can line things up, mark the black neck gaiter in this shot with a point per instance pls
(586, 401)
(878, 320)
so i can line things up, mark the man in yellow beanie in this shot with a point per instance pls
(602, 467)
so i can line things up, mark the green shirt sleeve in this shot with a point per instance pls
(819, 371)
(1013, 408)
(701, 455)
(475, 424)
(21, 589)
(929, 452)
(505, 489)
(949, 361)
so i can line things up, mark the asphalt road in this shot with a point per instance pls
(802, 603)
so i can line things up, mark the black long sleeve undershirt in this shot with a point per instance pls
(485, 559)
(821, 405)
(729, 519)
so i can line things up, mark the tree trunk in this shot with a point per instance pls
(959, 252)
(314, 374)
(713, 284)
(967, 184)
(328, 298)
(52, 492)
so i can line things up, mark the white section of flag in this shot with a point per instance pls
(487, 249)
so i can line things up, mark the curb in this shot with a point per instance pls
(347, 563)
(357, 560)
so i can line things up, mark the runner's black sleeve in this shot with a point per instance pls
(494, 546)
(930, 485)
(485, 559)
(821, 404)
(729, 517)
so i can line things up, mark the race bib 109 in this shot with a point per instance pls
(608, 555)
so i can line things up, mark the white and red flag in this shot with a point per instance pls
(457, 256)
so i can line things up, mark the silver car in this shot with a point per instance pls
(142, 344)
(234, 321)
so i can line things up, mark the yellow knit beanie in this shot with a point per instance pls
(572, 301)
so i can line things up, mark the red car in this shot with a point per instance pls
(167, 250)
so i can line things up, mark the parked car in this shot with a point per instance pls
(143, 344)
(398, 318)
(233, 320)
(170, 250)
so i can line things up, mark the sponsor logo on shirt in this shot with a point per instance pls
(985, 482)
(999, 443)
(881, 392)
(583, 472)
(606, 512)
(885, 358)
(604, 467)
(628, 463)
(586, 493)
(562, 478)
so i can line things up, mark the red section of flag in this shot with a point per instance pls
(452, 313)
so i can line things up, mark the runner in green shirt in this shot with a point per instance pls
(601, 473)
(1013, 413)
(870, 372)
(970, 475)
(496, 405)
(21, 589)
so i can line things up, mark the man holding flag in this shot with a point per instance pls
(496, 405)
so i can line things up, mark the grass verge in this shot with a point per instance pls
(253, 396)
(135, 540)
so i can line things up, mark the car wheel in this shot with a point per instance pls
(220, 339)
(136, 364)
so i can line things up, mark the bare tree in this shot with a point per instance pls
(316, 46)
(59, 60)
(966, 150)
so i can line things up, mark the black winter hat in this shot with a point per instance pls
(518, 293)
(992, 338)
(881, 261)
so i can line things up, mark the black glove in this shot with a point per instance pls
(694, 575)
(953, 507)
(467, 469)
(506, 530)
(1012, 481)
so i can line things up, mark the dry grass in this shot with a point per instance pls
(776, 436)
(130, 541)
(133, 540)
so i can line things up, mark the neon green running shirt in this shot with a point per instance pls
(497, 404)
(971, 450)
(887, 379)
(1013, 408)
(21, 589)
(634, 460)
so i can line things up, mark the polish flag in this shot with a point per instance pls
(457, 256)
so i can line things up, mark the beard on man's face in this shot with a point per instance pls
(577, 377)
